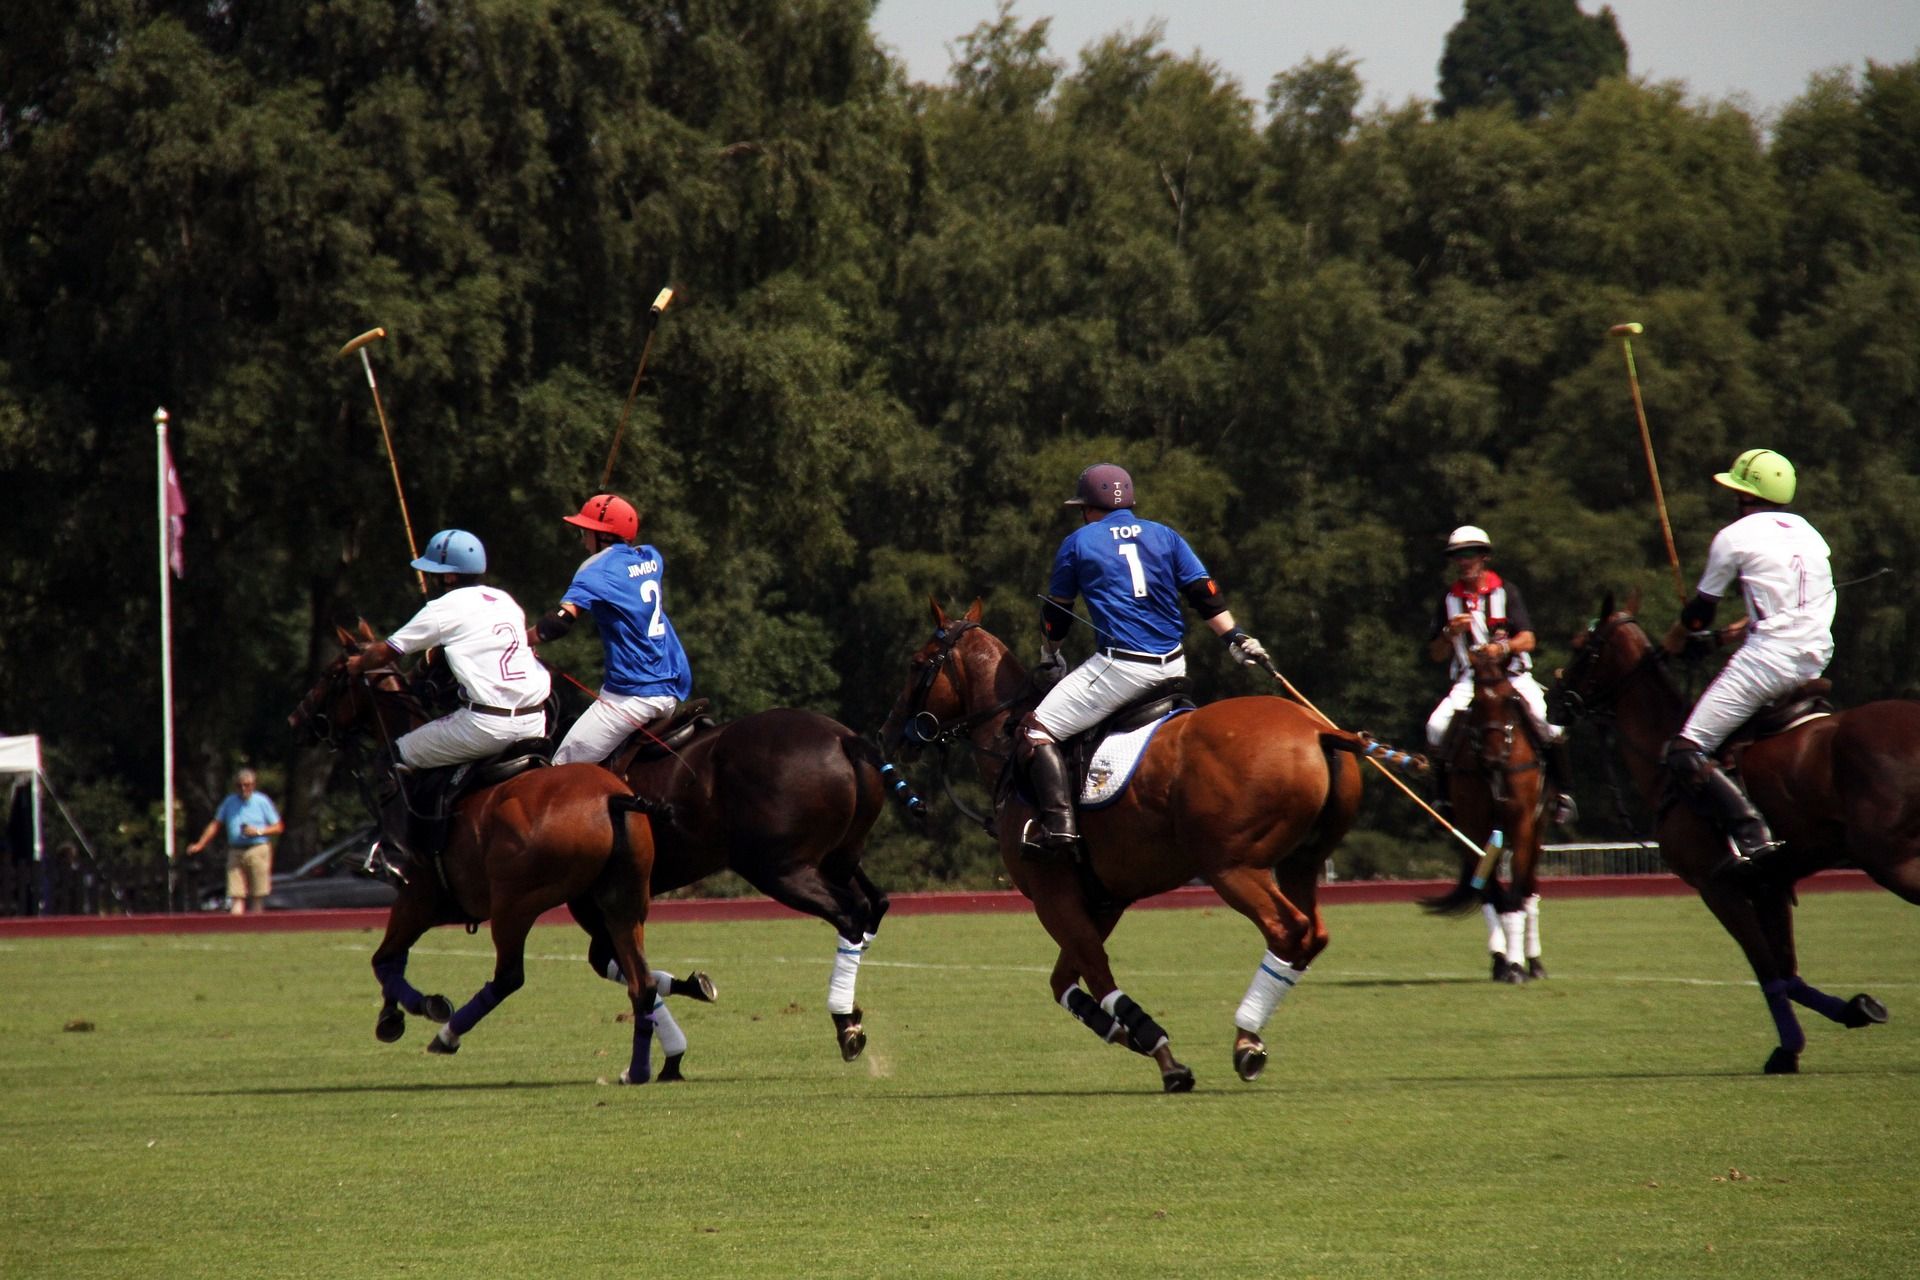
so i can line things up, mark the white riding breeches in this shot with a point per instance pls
(1096, 689)
(606, 724)
(467, 734)
(1755, 675)
(1460, 697)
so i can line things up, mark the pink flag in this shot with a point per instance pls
(176, 519)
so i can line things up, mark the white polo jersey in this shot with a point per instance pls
(1785, 571)
(484, 634)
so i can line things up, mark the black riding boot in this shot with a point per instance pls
(1560, 778)
(1743, 822)
(390, 855)
(1055, 829)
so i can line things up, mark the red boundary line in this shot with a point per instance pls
(673, 910)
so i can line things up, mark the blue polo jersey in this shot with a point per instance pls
(624, 588)
(1130, 571)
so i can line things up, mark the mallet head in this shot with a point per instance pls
(371, 335)
(660, 301)
(1633, 328)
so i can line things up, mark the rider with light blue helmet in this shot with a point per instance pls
(483, 633)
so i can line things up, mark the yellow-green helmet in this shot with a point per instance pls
(1763, 473)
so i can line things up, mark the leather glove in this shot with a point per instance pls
(1249, 652)
(1053, 666)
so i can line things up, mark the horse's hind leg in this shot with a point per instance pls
(510, 929)
(1083, 955)
(411, 916)
(1294, 937)
(803, 888)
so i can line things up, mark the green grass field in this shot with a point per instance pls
(232, 1115)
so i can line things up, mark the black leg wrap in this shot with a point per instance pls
(1097, 1020)
(1144, 1035)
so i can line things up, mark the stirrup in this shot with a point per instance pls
(378, 865)
(1037, 844)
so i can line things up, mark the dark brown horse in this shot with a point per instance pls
(572, 835)
(1843, 787)
(784, 798)
(1496, 782)
(1249, 794)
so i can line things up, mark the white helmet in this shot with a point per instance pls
(1469, 537)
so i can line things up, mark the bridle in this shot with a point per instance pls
(1598, 704)
(921, 726)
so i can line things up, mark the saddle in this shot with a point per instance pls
(663, 735)
(1808, 701)
(431, 795)
(1153, 703)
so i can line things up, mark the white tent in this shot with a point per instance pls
(20, 766)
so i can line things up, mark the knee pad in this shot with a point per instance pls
(1684, 759)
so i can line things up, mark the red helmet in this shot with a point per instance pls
(605, 513)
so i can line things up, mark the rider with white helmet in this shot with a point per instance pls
(1784, 570)
(1482, 610)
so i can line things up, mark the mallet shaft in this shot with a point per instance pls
(1624, 332)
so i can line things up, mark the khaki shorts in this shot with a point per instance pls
(250, 871)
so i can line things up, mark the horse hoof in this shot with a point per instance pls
(1179, 1079)
(1864, 1011)
(670, 1069)
(436, 1009)
(1249, 1060)
(438, 1045)
(1513, 975)
(1499, 967)
(1782, 1063)
(626, 1076)
(851, 1035)
(696, 986)
(391, 1025)
(1535, 970)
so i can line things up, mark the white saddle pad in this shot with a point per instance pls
(1114, 761)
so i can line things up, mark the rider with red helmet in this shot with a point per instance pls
(624, 587)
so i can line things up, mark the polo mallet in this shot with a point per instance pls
(1486, 856)
(1626, 333)
(660, 302)
(360, 344)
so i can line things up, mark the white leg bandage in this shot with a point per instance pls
(615, 973)
(1496, 936)
(846, 971)
(672, 1039)
(1271, 982)
(1515, 923)
(1533, 926)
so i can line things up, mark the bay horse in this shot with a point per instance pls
(784, 798)
(1842, 787)
(569, 834)
(1249, 794)
(1496, 782)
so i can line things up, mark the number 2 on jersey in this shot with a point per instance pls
(1131, 554)
(507, 670)
(650, 593)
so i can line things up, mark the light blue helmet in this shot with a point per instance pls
(453, 551)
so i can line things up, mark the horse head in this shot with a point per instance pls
(936, 692)
(338, 702)
(1612, 648)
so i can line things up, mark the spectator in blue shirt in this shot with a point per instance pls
(251, 822)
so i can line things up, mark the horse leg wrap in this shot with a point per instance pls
(1271, 982)
(484, 1001)
(640, 1069)
(1792, 1038)
(1088, 1011)
(1830, 1007)
(1144, 1034)
(1532, 908)
(1515, 925)
(846, 971)
(392, 975)
(673, 1041)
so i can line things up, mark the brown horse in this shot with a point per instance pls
(1845, 786)
(1249, 794)
(1496, 782)
(572, 835)
(784, 798)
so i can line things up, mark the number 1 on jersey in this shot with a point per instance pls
(1131, 554)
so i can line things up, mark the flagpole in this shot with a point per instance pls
(166, 644)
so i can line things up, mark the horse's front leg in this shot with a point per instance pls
(510, 928)
(411, 916)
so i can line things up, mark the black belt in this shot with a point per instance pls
(499, 711)
(1128, 655)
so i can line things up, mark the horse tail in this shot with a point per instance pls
(621, 806)
(1365, 744)
(1457, 901)
(862, 752)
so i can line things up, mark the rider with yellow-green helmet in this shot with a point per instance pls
(1783, 568)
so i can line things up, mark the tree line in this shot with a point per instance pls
(905, 317)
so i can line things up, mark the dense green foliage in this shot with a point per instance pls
(906, 317)
(1527, 54)
(230, 1113)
